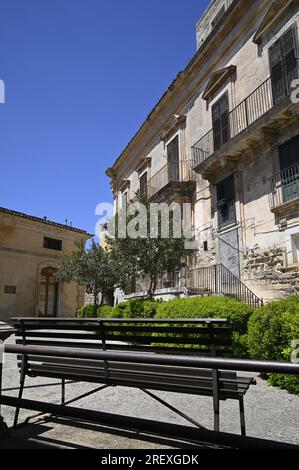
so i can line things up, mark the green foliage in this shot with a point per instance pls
(105, 311)
(260, 334)
(102, 311)
(93, 267)
(237, 313)
(271, 331)
(137, 308)
(144, 250)
(86, 312)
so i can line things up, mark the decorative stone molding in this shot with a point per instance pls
(276, 11)
(142, 164)
(217, 79)
(177, 122)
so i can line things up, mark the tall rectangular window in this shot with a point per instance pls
(283, 65)
(226, 202)
(220, 118)
(289, 166)
(124, 200)
(52, 244)
(143, 185)
(173, 157)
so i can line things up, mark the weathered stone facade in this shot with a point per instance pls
(266, 271)
(31, 250)
(243, 193)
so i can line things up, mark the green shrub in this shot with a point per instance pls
(271, 331)
(86, 312)
(137, 308)
(237, 313)
(103, 311)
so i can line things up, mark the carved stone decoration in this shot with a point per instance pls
(276, 10)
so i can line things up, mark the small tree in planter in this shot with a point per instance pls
(92, 268)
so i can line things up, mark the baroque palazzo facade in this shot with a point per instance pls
(225, 138)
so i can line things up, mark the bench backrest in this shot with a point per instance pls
(209, 337)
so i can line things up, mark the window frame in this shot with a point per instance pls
(50, 239)
(10, 290)
(227, 204)
(141, 177)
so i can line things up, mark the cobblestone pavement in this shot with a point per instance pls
(271, 413)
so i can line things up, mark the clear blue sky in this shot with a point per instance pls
(81, 76)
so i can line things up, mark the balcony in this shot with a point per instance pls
(173, 182)
(285, 190)
(259, 117)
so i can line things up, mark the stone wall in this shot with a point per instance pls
(265, 272)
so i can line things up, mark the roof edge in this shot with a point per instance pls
(44, 221)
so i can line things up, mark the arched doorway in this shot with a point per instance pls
(48, 293)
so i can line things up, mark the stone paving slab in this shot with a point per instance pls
(271, 413)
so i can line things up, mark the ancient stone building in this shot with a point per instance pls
(31, 250)
(225, 137)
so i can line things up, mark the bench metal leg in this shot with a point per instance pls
(22, 382)
(216, 400)
(242, 416)
(3, 426)
(216, 419)
(63, 391)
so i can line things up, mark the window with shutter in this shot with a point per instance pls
(220, 118)
(173, 160)
(283, 65)
(143, 185)
(124, 200)
(289, 165)
(226, 202)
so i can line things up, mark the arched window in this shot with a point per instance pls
(48, 293)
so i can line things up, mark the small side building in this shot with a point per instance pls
(31, 249)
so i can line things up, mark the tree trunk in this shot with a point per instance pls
(95, 303)
(152, 288)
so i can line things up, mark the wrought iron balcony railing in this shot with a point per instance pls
(264, 98)
(284, 186)
(176, 173)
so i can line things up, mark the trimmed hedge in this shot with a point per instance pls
(266, 333)
(137, 308)
(271, 331)
(103, 311)
(237, 313)
(134, 308)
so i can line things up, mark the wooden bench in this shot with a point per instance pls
(201, 337)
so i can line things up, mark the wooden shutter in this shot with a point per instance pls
(289, 165)
(220, 118)
(226, 201)
(124, 200)
(289, 153)
(216, 125)
(288, 44)
(143, 185)
(283, 65)
(276, 68)
(173, 160)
